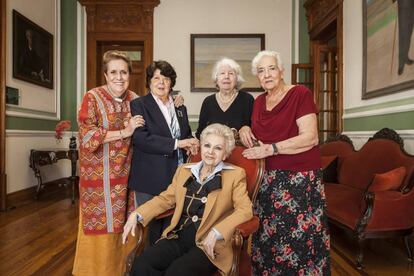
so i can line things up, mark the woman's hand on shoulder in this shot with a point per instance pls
(129, 226)
(191, 145)
(178, 100)
(261, 151)
(246, 136)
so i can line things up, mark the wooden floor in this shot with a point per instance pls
(39, 238)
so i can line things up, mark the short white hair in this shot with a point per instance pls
(233, 65)
(266, 53)
(222, 131)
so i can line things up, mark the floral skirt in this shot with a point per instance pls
(293, 238)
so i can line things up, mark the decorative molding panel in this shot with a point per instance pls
(380, 111)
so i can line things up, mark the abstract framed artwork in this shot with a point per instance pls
(388, 49)
(206, 49)
(32, 52)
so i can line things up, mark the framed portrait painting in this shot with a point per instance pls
(207, 49)
(388, 47)
(32, 52)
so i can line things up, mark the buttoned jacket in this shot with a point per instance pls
(225, 209)
(154, 160)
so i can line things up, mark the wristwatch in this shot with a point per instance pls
(275, 151)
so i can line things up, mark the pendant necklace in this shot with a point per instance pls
(119, 99)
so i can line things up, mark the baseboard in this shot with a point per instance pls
(22, 197)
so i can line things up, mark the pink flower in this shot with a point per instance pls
(277, 205)
(61, 127)
(305, 226)
(278, 259)
(286, 196)
(287, 250)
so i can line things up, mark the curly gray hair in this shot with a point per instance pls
(233, 65)
(266, 53)
(223, 131)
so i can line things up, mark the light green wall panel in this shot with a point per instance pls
(68, 62)
(29, 124)
(397, 121)
(303, 34)
(68, 75)
(380, 105)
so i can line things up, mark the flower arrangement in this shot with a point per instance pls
(61, 127)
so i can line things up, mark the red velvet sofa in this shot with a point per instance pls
(371, 193)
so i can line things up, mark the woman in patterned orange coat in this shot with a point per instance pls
(105, 128)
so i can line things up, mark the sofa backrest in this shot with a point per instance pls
(338, 148)
(376, 156)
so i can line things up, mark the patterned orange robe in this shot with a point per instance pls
(104, 198)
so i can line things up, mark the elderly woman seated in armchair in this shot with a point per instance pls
(210, 200)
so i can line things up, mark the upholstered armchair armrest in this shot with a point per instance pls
(249, 227)
(242, 232)
(139, 247)
(392, 210)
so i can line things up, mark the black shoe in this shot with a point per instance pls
(409, 61)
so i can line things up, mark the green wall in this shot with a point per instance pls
(397, 121)
(303, 34)
(67, 76)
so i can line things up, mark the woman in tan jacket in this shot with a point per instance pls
(210, 200)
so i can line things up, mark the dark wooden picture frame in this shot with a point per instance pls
(382, 73)
(32, 52)
(206, 49)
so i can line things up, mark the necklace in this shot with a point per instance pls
(223, 101)
(119, 99)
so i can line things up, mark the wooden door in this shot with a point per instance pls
(124, 25)
(326, 91)
(325, 25)
(302, 73)
(135, 51)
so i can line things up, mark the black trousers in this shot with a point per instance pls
(175, 257)
(156, 226)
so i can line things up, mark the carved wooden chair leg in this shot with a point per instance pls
(360, 256)
(237, 241)
(408, 247)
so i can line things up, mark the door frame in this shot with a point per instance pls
(319, 23)
(92, 47)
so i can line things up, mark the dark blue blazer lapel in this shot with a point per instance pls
(159, 118)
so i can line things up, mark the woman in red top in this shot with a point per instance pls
(293, 237)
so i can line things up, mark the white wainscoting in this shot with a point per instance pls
(359, 138)
(18, 145)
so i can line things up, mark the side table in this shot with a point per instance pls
(43, 157)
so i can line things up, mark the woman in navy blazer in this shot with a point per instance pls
(162, 143)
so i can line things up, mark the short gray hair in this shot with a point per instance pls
(223, 131)
(266, 53)
(233, 65)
